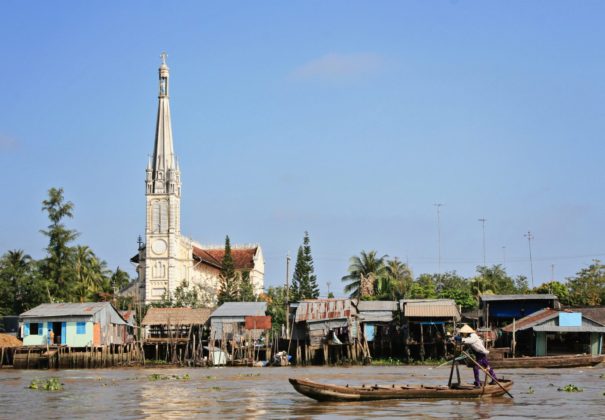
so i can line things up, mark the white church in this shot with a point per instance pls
(167, 258)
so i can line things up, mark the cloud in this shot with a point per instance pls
(338, 67)
(7, 144)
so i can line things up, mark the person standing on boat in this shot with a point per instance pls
(470, 338)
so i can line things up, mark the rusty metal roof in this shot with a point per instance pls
(535, 320)
(176, 316)
(430, 308)
(321, 309)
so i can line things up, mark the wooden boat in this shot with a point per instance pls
(565, 361)
(327, 392)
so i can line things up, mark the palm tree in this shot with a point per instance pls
(395, 282)
(16, 268)
(366, 266)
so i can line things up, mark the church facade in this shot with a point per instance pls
(167, 259)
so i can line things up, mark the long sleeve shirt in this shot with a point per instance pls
(476, 343)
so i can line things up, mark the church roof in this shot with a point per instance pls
(243, 258)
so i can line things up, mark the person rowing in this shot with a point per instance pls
(470, 338)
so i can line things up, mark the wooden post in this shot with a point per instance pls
(514, 349)
(421, 343)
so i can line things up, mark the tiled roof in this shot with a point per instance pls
(176, 316)
(243, 258)
(430, 308)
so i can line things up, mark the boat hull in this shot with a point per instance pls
(328, 392)
(547, 362)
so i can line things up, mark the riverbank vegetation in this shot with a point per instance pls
(374, 277)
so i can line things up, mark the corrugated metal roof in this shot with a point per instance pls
(319, 309)
(537, 319)
(47, 310)
(532, 319)
(376, 316)
(176, 316)
(494, 298)
(240, 309)
(556, 328)
(596, 314)
(376, 305)
(430, 308)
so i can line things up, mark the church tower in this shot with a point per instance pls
(163, 196)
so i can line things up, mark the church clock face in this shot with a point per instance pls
(158, 246)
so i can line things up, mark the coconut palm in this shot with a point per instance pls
(367, 266)
(395, 282)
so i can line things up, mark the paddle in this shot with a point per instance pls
(486, 372)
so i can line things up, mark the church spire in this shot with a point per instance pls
(164, 173)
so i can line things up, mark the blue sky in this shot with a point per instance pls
(348, 119)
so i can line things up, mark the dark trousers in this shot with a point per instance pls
(482, 360)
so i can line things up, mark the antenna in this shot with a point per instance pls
(483, 220)
(529, 237)
(439, 205)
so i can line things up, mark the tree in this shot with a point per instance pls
(21, 288)
(587, 288)
(366, 265)
(246, 289)
(453, 286)
(228, 284)
(425, 287)
(57, 267)
(119, 279)
(395, 281)
(304, 280)
(556, 288)
(276, 306)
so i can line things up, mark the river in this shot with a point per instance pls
(265, 393)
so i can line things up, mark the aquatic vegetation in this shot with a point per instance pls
(159, 377)
(216, 388)
(530, 390)
(570, 388)
(210, 377)
(51, 384)
(247, 375)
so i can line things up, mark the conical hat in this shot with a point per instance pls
(466, 329)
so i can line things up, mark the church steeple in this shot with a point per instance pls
(163, 176)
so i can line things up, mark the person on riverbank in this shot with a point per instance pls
(470, 338)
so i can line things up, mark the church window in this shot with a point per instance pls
(159, 270)
(164, 216)
(155, 216)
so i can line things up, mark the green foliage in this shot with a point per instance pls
(228, 280)
(452, 286)
(304, 280)
(50, 384)
(570, 388)
(425, 287)
(587, 288)
(276, 306)
(246, 290)
(556, 288)
(395, 282)
(57, 266)
(21, 286)
(367, 266)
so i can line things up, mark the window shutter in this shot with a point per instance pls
(26, 328)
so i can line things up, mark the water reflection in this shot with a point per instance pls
(265, 393)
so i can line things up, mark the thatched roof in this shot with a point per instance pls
(176, 316)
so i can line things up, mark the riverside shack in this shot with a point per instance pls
(93, 324)
(175, 334)
(426, 323)
(376, 321)
(329, 325)
(551, 332)
(500, 310)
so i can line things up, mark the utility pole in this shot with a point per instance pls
(552, 272)
(483, 220)
(504, 256)
(287, 294)
(438, 205)
(529, 237)
(328, 283)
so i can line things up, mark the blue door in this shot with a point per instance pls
(63, 333)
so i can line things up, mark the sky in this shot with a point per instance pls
(346, 119)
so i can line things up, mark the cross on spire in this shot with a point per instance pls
(163, 57)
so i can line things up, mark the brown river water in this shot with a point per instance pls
(265, 393)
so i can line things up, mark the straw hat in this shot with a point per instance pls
(466, 329)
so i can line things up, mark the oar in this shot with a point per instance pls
(486, 372)
(450, 361)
